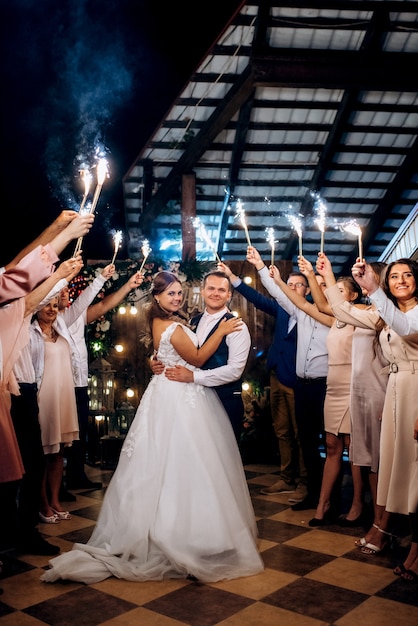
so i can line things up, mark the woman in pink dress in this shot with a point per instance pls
(55, 358)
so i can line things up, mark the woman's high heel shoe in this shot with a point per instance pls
(51, 519)
(371, 549)
(62, 514)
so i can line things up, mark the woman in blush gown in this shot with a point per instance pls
(178, 504)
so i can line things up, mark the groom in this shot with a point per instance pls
(223, 370)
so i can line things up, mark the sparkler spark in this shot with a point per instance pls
(353, 228)
(271, 241)
(321, 208)
(297, 225)
(241, 215)
(102, 172)
(146, 250)
(117, 240)
(204, 235)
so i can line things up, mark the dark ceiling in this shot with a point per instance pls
(296, 106)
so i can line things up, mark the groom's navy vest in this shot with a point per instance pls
(219, 358)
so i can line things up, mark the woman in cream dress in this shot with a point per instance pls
(397, 307)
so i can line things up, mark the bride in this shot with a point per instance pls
(178, 504)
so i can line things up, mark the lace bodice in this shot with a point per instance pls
(166, 352)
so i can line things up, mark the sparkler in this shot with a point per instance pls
(86, 178)
(101, 175)
(241, 215)
(204, 235)
(297, 225)
(321, 208)
(146, 250)
(117, 240)
(270, 239)
(353, 228)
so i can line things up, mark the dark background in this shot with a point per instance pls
(81, 75)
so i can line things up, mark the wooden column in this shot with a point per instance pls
(188, 213)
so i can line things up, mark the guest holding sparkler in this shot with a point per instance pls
(281, 363)
(311, 370)
(337, 411)
(397, 330)
(77, 315)
(19, 277)
(368, 389)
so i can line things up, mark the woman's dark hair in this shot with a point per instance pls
(384, 283)
(413, 267)
(352, 286)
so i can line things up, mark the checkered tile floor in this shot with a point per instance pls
(313, 577)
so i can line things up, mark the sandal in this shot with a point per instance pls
(399, 569)
(371, 549)
(62, 514)
(409, 575)
(360, 543)
(51, 519)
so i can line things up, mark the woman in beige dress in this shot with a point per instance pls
(55, 358)
(337, 418)
(395, 320)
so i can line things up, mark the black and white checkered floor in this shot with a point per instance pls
(312, 577)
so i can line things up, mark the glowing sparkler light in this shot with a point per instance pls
(117, 240)
(204, 236)
(85, 176)
(353, 228)
(241, 215)
(321, 208)
(102, 172)
(146, 250)
(270, 240)
(297, 225)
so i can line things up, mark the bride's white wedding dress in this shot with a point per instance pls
(178, 503)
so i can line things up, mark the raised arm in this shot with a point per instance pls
(113, 299)
(299, 301)
(67, 270)
(306, 268)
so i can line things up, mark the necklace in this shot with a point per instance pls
(52, 335)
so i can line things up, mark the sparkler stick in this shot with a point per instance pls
(204, 235)
(146, 250)
(270, 239)
(117, 239)
(241, 215)
(354, 229)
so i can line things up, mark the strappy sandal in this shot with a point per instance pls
(360, 543)
(62, 514)
(49, 519)
(371, 549)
